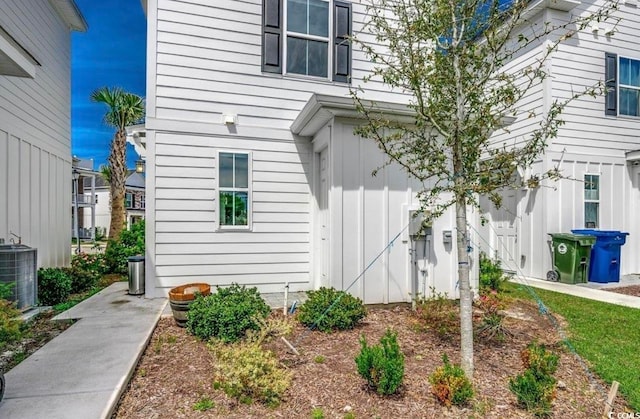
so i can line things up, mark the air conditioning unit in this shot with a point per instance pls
(18, 267)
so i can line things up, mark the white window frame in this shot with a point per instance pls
(591, 201)
(626, 86)
(328, 40)
(249, 191)
(142, 201)
(131, 203)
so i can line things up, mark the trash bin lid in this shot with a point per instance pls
(605, 236)
(581, 239)
(137, 258)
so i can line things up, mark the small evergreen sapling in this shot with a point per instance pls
(382, 365)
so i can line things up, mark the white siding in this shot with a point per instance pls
(35, 135)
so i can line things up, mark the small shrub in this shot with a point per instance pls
(317, 413)
(249, 373)
(491, 325)
(54, 285)
(541, 362)
(450, 385)
(382, 365)
(9, 323)
(491, 275)
(346, 310)
(534, 394)
(535, 389)
(86, 271)
(439, 314)
(227, 314)
(130, 243)
(6, 290)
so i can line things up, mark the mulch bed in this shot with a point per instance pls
(176, 371)
(633, 290)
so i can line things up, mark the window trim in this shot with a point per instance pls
(131, 201)
(249, 190)
(619, 85)
(327, 40)
(595, 201)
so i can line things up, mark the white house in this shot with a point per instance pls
(254, 174)
(598, 147)
(35, 125)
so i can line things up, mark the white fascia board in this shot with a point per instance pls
(14, 59)
(70, 14)
(539, 5)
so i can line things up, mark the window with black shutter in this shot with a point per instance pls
(611, 78)
(307, 37)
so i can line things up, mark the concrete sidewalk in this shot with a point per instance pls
(588, 291)
(83, 371)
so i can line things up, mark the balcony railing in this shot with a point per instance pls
(83, 200)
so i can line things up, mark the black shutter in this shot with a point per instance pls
(611, 83)
(342, 45)
(272, 36)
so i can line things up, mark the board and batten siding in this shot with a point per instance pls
(35, 134)
(368, 212)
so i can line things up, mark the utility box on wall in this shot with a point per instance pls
(419, 223)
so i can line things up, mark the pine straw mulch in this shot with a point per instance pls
(176, 371)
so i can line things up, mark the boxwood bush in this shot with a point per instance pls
(54, 285)
(227, 314)
(346, 310)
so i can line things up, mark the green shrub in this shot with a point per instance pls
(54, 285)
(227, 314)
(534, 394)
(6, 290)
(439, 314)
(345, 310)
(9, 323)
(249, 373)
(86, 271)
(317, 413)
(130, 243)
(541, 362)
(450, 385)
(382, 365)
(491, 275)
(535, 389)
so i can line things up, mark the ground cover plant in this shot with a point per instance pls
(174, 374)
(601, 333)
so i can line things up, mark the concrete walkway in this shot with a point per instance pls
(83, 371)
(590, 291)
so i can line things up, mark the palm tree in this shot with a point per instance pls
(123, 109)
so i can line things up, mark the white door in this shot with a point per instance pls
(505, 243)
(323, 217)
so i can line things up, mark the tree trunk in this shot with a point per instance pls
(466, 297)
(118, 165)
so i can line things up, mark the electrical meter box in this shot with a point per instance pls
(419, 223)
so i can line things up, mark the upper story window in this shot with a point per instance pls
(142, 201)
(233, 189)
(622, 76)
(591, 201)
(128, 200)
(307, 37)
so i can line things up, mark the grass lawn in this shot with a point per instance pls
(606, 335)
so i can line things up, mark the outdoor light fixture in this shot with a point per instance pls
(140, 166)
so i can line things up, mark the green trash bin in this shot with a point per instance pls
(570, 255)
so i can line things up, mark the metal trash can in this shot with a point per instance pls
(605, 255)
(570, 255)
(136, 275)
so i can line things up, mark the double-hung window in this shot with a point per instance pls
(623, 85)
(128, 200)
(591, 201)
(307, 37)
(234, 191)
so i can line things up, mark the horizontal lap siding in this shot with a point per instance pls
(35, 131)
(188, 245)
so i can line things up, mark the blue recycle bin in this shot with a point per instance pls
(605, 254)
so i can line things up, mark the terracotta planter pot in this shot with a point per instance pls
(180, 299)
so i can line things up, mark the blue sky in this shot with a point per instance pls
(111, 53)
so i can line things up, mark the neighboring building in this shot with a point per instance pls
(254, 175)
(84, 199)
(35, 125)
(598, 146)
(134, 201)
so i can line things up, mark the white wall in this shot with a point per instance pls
(35, 133)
